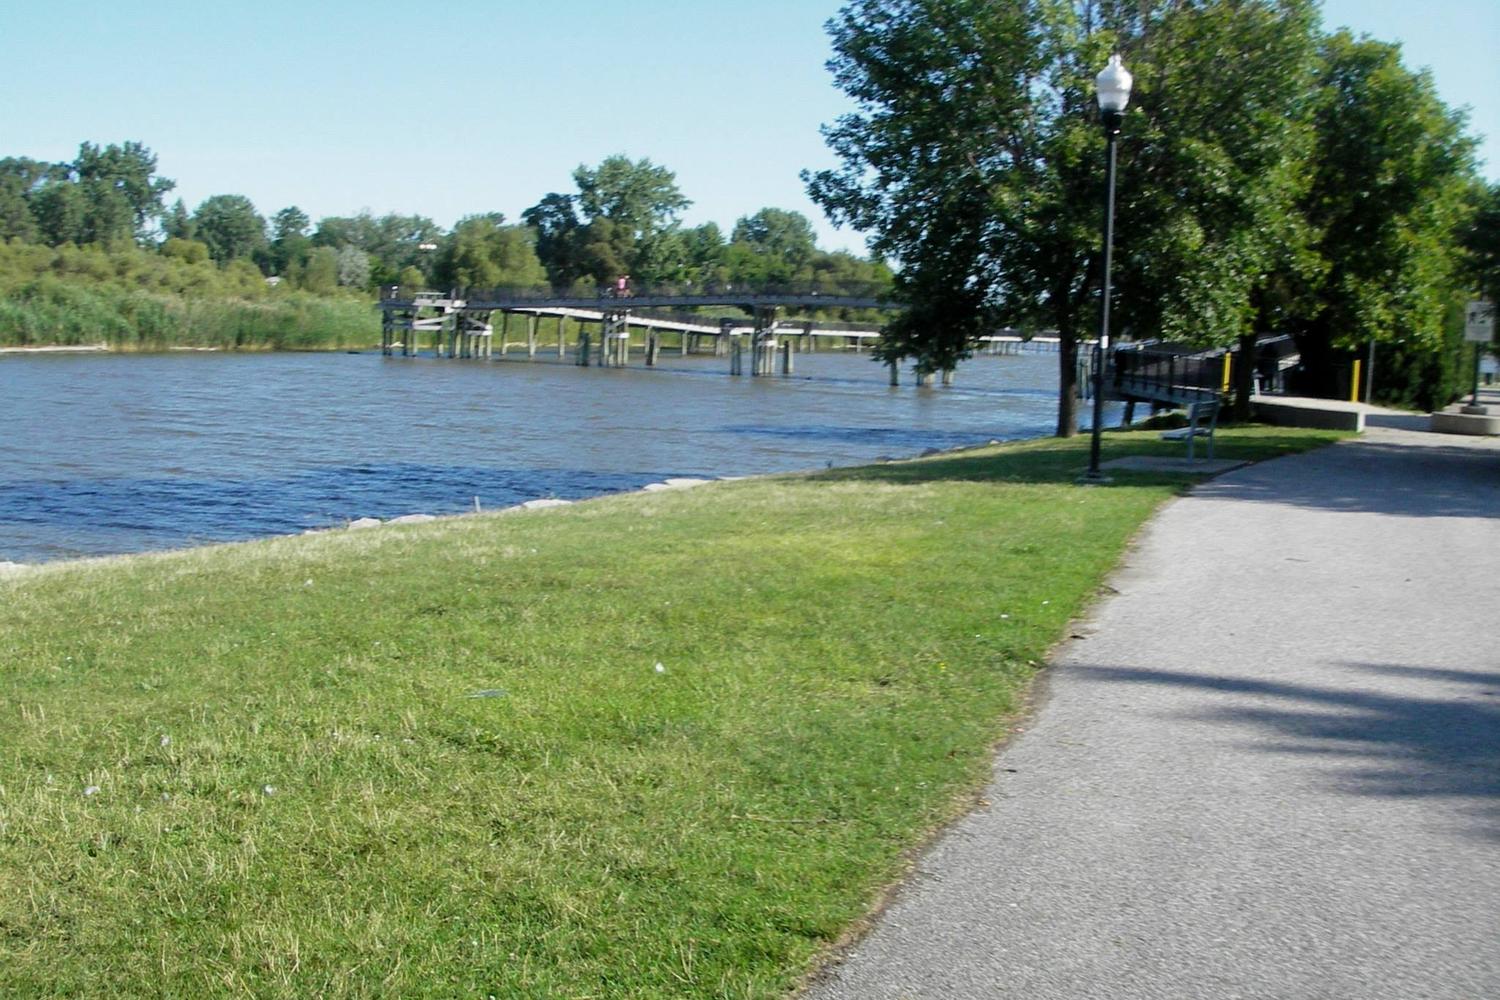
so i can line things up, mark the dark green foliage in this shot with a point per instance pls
(289, 241)
(1481, 242)
(320, 275)
(775, 232)
(483, 252)
(107, 194)
(230, 227)
(16, 220)
(122, 190)
(1389, 201)
(622, 221)
(976, 158)
(1423, 375)
(1317, 186)
(639, 196)
(178, 222)
(59, 212)
(391, 242)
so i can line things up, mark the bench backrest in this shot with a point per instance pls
(1207, 410)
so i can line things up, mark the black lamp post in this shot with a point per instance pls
(1112, 86)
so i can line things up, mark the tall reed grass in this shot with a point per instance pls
(53, 312)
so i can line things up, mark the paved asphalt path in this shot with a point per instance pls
(1272, 769)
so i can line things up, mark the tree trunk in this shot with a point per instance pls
(1067, 383)
(1318, 377)
(1244, 377)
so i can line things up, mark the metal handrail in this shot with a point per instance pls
(879, 291)
(1144, 370)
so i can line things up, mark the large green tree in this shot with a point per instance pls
(391, 242)
(122, 190)
(622, 220)
(230, 227)
(1389, 199)
(976, 160)
(177, 223)
(16, 220)
(107, 194)
(778, 243)
(484, 252)
(289, 240)
(1482, 241)
(635, 194)
(61, 211)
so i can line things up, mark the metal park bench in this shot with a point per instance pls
(1203, 417)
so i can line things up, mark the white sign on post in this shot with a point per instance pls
(1479, 326)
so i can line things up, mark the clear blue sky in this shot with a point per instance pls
(456, 106)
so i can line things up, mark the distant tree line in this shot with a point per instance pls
(621, 221)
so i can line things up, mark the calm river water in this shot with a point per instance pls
(123, 453)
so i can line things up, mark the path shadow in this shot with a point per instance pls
(1056, 462)
(1412, 744)
(1372, 477)
(1399, 421)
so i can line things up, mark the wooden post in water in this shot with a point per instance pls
(584, 348)
(786, 356)
(652, 341)
(736, 362)
(947, 376)
(895, 373)
(763, 344)
(531, 323)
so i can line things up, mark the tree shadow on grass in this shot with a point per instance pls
(1063, 461)
(1433, 734)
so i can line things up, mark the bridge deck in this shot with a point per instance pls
(747, 300)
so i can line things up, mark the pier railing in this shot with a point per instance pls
(1165, 373)
(874, 294)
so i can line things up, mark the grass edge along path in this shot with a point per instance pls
(654, 745)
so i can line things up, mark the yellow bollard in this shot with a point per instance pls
(1354, 383)
(1228, 371)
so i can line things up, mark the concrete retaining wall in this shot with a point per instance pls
(1324, 414)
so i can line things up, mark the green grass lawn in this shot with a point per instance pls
(441, 760)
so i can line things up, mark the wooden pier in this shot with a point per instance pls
(458, 326)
